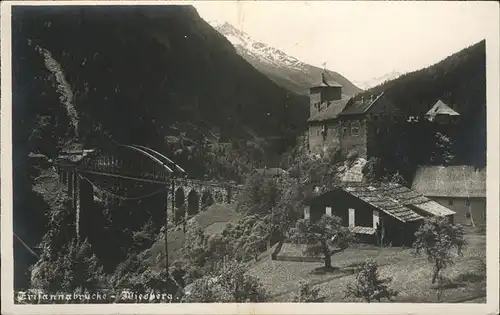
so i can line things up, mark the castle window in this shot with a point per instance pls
(344, 130)
(355, 130)
(450, 202)
(467, 202)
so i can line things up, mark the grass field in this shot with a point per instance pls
(411, 275)
(212, 220)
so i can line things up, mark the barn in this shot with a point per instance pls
(384, 213)
(461, 188)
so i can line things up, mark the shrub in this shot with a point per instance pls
(307, 294)
(368, 285)
(437, 238)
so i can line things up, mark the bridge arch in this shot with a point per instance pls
(207, 199)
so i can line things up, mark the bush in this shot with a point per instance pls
(368, 285)
(231, 285)
(307, 294)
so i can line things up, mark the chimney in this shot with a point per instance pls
(371, 97)
(323, 77)
(362, 99)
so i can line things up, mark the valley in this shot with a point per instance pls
(159, 153)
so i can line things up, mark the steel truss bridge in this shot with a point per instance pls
(134, 172)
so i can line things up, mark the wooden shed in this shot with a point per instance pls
(382, 213)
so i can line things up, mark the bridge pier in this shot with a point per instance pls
(60, 173)
(64, 175)
(84, 208)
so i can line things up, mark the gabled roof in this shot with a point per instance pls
(332, 110)
(450, 181)
(441, 108)
(400, 202)
(360, 105)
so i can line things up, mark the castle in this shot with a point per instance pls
(358, 123)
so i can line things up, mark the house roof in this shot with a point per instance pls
(450, 181)
(360, 105)
(397, 201)
(441, 108)
(332, 110)
(353, 173)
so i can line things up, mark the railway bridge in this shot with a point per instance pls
(133, 172)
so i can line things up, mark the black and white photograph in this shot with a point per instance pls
(324, 155)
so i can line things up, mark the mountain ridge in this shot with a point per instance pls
(285, 70)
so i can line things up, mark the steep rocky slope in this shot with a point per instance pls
(153, 70)
(133, 74)
(282, 68)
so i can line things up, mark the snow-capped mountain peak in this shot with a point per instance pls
(244, 44)
(283, 69)
(367, 84)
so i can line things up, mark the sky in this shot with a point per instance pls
(359, 39)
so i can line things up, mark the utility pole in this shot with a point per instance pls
(166, 220)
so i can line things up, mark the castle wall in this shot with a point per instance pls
(318, 141)
(353, 136)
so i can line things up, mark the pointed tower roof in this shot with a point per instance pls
(326, 82)
(441, 108)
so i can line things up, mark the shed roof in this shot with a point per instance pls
(441, 108)
(332, 110)
(397, 201)
(400, 202)
(450, 181)
(385, 198)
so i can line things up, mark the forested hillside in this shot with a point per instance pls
(460, 82)
(143, 75)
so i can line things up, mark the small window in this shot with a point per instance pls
(344, 130)
(467, 215)
(355, 130)
(467, 202)
(450, 202)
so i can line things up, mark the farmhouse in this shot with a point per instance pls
(442, 114)
(461, 188)
(387, 213)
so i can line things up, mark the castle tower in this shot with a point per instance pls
(322, 93)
